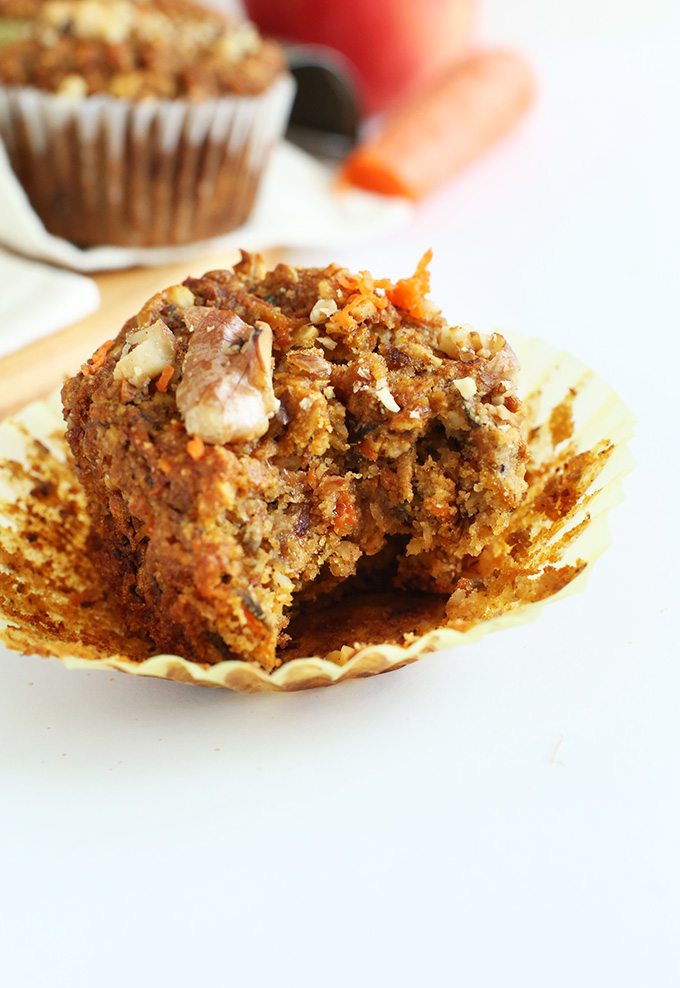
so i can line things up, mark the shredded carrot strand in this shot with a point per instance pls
(345, 514)
(99, 355)
(195, 448)
(164, 379)
(409, 294)
(347, 280)
(97, 358)
(252, 622)
(363, 289)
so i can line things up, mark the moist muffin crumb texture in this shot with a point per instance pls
(254, 441)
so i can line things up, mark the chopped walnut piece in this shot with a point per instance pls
(466, 386)
(235, 44)
(72, 86)
(153, 349)
(180, 296)
(105, 20)
(177, 295)
(452, 338)
(322, 309)
(309, 362)
(386, 398)
(226, 393)
(305, 335)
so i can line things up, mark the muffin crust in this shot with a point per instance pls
(132, 49)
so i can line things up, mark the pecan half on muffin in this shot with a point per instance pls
(254, 440)
(138, 122)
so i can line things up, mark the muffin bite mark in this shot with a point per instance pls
(390, 456)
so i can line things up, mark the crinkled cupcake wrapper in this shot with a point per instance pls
(101, 170)
(577, 425)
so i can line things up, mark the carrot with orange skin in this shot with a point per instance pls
(441, 131)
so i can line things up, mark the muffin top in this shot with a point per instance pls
(132, 49)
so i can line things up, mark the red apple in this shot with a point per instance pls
(395, 45)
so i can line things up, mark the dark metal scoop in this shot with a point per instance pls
(325, 115)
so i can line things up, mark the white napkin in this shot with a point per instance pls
(36, 300)
(298, 206)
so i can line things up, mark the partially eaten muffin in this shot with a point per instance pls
(253, 440)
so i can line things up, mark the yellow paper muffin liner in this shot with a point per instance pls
(577, 430)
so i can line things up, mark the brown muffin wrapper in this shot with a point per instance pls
(577, 429)
(100, 170)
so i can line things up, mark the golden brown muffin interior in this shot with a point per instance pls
(387, 449)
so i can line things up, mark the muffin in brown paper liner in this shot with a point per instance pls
(52, 603)
(152, 156)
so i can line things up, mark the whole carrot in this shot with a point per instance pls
(445, 127)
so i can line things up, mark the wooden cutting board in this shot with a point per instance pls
(36, 370)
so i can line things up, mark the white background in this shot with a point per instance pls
(503, 815)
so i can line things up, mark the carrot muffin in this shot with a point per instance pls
(254, 439)
(137, 122)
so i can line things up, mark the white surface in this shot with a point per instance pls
(532, 22)
(37, 300)
(506, 815)
(297, 205)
